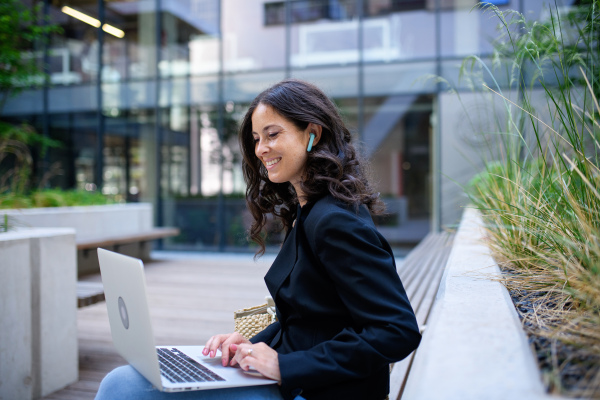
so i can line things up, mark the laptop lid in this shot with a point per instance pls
(128, 312)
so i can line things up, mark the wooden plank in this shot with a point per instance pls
(431, 258)
(109, 241)
(89, 293)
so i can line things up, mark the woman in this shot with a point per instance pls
(343, 315)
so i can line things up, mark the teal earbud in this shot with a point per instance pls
(310, 142)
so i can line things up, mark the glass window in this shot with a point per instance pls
(331, 37)
(397, 137)
(275, 13)
(314, 10)
(309, 10)
(129, 154)
(115, 165)
(189, 37)
(466, 30)
(175, 145)
(206, 220)
(130, 41)
(398, 31)
(72, 165)
(123, 173)
(451, 71)
(336, 82)
(243, 88)
(384, 7)
(74, 54)
(399, 78)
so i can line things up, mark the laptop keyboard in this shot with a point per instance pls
(177, 367)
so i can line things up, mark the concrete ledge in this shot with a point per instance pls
(38, 312)
(92, 223)
(88, 221)
(15, 319)
(474, 346)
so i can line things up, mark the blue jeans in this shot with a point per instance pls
(126, 383)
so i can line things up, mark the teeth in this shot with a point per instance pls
(272, 162)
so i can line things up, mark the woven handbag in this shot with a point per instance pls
(250, 321)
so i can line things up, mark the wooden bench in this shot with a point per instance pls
(89, 293)
(421, 273)
(116, 241)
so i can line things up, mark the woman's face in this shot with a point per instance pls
(280, 146)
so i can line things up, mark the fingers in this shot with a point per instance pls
(225, 342)
(229, 347)
(232, 350)
(243, 352)
(260, 357)
(213, 344)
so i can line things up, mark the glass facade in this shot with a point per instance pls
(146, 95)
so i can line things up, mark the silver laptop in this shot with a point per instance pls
(168, 368)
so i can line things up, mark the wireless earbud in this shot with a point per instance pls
(310, 142)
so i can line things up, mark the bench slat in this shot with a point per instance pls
(421, 273)
(425, 293)
(89, 293)
(152, 234)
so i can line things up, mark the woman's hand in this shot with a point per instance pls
(224, 342)
(259, 356)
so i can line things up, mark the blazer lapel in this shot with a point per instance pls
(283, 264)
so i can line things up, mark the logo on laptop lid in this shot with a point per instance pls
(123, 313)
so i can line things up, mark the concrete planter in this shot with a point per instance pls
(88, 221)
(473, 346)
(91, 223)
(38, 314)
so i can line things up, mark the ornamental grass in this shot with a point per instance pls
(539, 190)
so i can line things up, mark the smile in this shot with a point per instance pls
(272, 162)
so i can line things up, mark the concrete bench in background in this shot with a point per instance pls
(125, 228)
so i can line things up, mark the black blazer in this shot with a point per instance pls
(343, 314)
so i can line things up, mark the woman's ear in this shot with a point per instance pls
(316, 130)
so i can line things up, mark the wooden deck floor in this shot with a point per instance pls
(191, 298)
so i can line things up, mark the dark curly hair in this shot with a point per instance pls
(333, 166)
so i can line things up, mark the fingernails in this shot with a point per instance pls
(212, 354)
(234, 347)
(205, 351)
(224, 362)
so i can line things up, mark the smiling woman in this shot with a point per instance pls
(342, 313)
(282, 118)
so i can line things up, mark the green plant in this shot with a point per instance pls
(53, 198)
(539, 192)
(16, 162)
